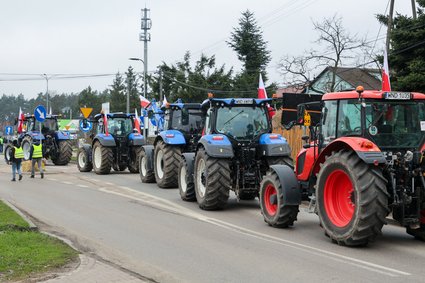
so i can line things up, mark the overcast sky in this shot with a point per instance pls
(98, 36)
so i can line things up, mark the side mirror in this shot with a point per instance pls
(300, 114)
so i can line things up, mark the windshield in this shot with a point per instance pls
(241, 122)
(396, 124)
(186, 120)
(47, 126)
(120, 126)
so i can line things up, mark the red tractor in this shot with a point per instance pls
(363, 161)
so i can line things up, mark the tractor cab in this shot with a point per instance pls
(240, 119)
(186, 118)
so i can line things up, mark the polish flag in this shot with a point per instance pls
(262, 94)
(21, 119)
(105, 123)
(144, 102)
(137, 121)
(386, 86)
(164, 102)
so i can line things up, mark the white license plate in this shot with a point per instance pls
(397, 95)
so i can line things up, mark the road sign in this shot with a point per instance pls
(86, 111)
(8, 130)
(40, 113)
(87, 127)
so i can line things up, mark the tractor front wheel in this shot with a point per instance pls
(26, 145)
(83, 160)
(64, 153)
(419, 233)
(273, 207)
(102, 158)
(146, 175)
(186, 184)
(352, 200)
(166, 164)
(133, 165)
(212, 181)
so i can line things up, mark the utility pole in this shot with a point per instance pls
(145, 36)
(47, 91)
(161, 97)
(414, 9)
(390, 25)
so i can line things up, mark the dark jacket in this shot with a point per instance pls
(12, 154)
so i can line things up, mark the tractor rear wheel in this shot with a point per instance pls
(102, 158)
(273, 208)
(352, 200)
(186, 184)
(146, 175)
(133, 165)
(26, 145)
(64, 153)
(166, 165)
(212, 181)
(83, 160)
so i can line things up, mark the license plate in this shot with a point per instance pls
(397, 95)
(243, 101)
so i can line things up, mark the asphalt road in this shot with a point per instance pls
(152, 232)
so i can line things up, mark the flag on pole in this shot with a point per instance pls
(386, 86)
(105, 123)
(21, 119)
(144, 102)
(262, 94)
(137, 121)
(164, 102)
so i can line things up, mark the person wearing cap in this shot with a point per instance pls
(36, 155)
(16, 159)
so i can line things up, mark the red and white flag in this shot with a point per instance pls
(21, 119)
(137, 121)
(144, 102)
(105, 123)
(262, 94)
(164, 102)
(386, 85)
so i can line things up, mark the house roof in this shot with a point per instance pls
(368, 78)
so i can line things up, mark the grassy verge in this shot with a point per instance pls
(25, 253)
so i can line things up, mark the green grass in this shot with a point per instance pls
(25, 253)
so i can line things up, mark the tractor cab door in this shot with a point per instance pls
(328, 122)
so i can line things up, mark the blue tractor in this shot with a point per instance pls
(56, 143)
(114, 143)
(181, 131)
(235, 152)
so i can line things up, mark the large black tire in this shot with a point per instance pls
(273, 208)
(102, 158)
(83, 160)
(166, 165)
(186, 183)
(64, 153)
(146, 175)
(352, 200)
(212, 181)
(26, 145)
(133, 164)
(7, 152)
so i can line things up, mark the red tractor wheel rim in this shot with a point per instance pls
(268, 194)
(338, 198)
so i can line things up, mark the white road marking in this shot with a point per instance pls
(82, 186)
(66, 182)
(170, 206)
(53, 179)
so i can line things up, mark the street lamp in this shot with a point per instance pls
(144, 75)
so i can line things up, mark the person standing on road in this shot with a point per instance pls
(16, 156)
(1, 144)
(36, 155)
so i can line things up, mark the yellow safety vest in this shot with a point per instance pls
(19, 153)
(37, 153)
